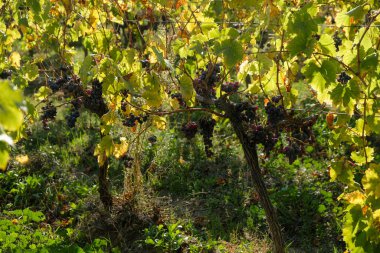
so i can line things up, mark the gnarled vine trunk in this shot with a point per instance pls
(250, 153)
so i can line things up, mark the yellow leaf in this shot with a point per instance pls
(121, 149)
(159, 122)
(15, 59)
(93, 18)
(355, 197)
(22, 159)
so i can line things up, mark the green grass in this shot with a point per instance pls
(211, 199)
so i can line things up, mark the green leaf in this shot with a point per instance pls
(342, 171)
(30, 72)
(371, 181)
(371, 61)
(84, 72)
(35, 6)
(301, 44)
(152, 92)
(358, 12)
(327, 44)
(232, 51)
(187, 89)
(362, 158)
(10, 115)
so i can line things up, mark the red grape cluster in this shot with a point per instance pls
(205, 84)
(179, 98)
(275, 113)
(49, 113)
(206, 126)
(190, 129)
(230, 87)
(292, 151)
(132, 120)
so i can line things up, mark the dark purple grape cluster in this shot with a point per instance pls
(58, 84)
(152, 139)
(275, 114)
(190, 129)
(179, 98)
(93, 99)
(132, 120)
(292, 151)
(145, 63)
(263, 135)
(76, 103)
(206, 126)
(230, 87)
(316, 36)
(5, 74)
(49, 113)
(205, 83)
(71, 86)
(276, 99)
(343, 78)
(246, 111)
(71, 118)
(337, 41)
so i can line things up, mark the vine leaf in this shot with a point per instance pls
(15, 59)
(360, 158)
(187, 89)
(371, 181)
(104, 149)
(232, 51)
(342, 171)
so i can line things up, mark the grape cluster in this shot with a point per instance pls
(93, 99)
(206, 126)
(316, 36)
(152, 139)
(230, 87)
(343, 78)
(71, 118)
(246, 111)
(5, 74)
(263, 135)
(205, 84)
(292, 151)
(145, 63)
(71, 86)
(58, 84)
(276, 99)
(337, 41)
(49, 113)
(179, 98)
(275, 114)
(190, 129)
(132, 120)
